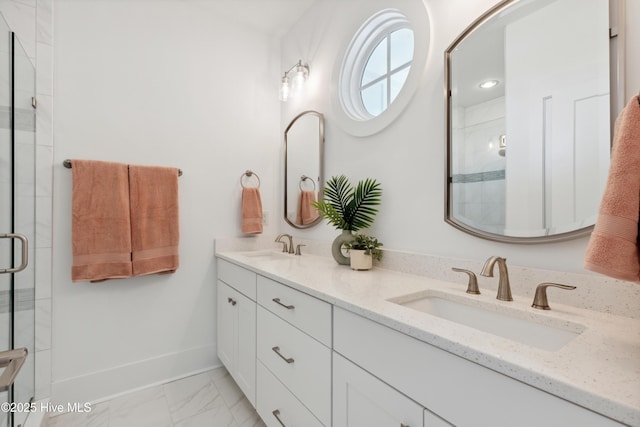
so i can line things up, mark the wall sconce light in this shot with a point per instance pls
(294, 86)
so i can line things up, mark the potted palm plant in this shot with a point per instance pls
(348, 209)
(363, 250)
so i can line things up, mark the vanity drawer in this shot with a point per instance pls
(303, 311)
(301, 363)
(239, 278)
(277, 406)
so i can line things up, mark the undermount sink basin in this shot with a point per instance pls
(521, 328)
(265, 255)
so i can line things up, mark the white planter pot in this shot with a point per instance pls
(360, 261)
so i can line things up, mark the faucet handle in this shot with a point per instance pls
(298, 252)
(540, 299)
(284, 246)
(472, 286)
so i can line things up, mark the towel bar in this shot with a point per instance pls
(67, 164)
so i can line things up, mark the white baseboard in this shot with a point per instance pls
(103, 385)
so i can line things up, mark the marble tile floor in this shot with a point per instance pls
(209, 399)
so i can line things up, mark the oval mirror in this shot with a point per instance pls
(303, 165)
(528, 120)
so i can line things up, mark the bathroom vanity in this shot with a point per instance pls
(312, 343)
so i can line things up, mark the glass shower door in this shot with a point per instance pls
(24, 131)
(17, 225)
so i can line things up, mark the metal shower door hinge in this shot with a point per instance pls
(34, 102)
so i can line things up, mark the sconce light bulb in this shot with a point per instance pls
(284, 89)
(299, 78)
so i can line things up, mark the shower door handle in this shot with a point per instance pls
(11, 361)
(25, 252)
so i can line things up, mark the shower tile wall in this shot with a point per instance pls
(479, 173)
(32, 22)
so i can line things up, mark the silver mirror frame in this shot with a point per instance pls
(617, 93)
(320, 183)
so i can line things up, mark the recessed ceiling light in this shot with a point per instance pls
(488, 84)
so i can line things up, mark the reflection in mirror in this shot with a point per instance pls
(528, 118)
(303, 165)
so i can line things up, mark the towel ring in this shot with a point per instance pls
(249, 174)
(303, 178)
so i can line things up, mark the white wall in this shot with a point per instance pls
(166, 83)
(408, 157)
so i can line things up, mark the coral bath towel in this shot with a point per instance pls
(306, 212)
(251, 210)
(100, 227)
(613, 247)
(155, 232)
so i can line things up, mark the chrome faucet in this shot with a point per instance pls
(504, 290)
(286, 248)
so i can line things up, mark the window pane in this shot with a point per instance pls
(374, 98)
(397, 81)
(376, 64)
(401, 47)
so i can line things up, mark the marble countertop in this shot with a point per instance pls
(599, 369)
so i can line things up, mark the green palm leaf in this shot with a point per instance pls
(347, 208)
(361, 212)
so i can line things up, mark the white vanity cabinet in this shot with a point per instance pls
(457, 390)
(304, 362)
(294, 357)
(236, 325)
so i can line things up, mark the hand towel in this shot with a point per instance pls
(613, 247)
(154, 219)
(251, 210)
(306, 213)
(100, 227)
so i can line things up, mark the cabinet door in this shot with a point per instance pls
(245, 374)
(227, 326)
(362, 400)
(236, 329)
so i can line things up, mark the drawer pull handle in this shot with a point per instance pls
(286, 359)
(231, 301)
(404, 425)
(288, 307)
(276, 414)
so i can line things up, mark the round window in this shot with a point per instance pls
(386, 71)
(376, 65)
